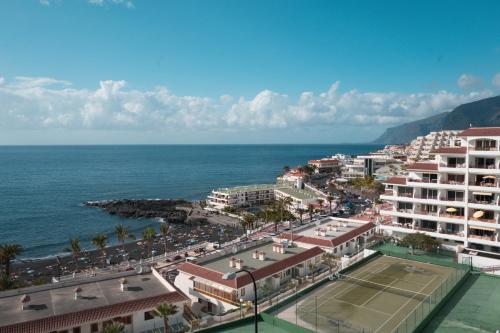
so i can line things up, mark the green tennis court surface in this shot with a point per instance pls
(384, 295)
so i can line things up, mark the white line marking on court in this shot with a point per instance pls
(346, 290)
(379, 292)
(406, 303)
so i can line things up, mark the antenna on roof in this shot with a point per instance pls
(470, 124)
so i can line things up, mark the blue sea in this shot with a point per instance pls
(42, 188)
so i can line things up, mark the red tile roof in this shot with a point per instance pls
(69, 320)
(481, 131)
(244, 279)
(450, 150)
(423, 166)
(395, 180)
(320, 241)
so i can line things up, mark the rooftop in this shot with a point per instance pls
(100, 298)
(450, 150)
(246, 188)
(481, 131)
(336, 231)
(221, 264)
(213, 270)
(298, 193)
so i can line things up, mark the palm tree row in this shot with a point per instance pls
(9, 252)
(100, 241)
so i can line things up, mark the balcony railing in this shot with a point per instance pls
(483, 220)
(483, 148)
(451, 182)
(451, 216)
(423, 180)
(424, 212)
(452, 199)
(482, 202)
(429, 197)
(452, 165)
(485, 184)
(405, 210)
(407, 195)
(483, 166)
(489, 238)
(426, 229)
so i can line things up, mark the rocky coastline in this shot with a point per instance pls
(172, 211)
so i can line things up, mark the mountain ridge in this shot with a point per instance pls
(481, 113)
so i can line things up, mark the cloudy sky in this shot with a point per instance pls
(137, 71)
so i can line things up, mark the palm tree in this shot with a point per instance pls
(122, 234)
(113, 328)
(148, 235)
(330, 200)
(330, 261)
(320, 203)
(301, 212)
(164, 311)
(310, 208)
(164, 227)
(100, 241)
(75, 250)
(8, 252)
(249, 220)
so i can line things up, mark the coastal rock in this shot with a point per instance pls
(165, 209)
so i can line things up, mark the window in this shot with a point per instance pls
(148, 315)
(94, 328)
(127, 320)
(242, 293)
(335, 250)
(77, 330)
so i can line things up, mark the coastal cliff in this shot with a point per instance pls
(165, 209)
(482, 113)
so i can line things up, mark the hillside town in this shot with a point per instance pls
(431, 206)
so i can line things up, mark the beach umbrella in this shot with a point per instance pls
(489, 177)
(451, 210)
(478, 214)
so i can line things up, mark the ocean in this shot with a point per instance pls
(42, 188)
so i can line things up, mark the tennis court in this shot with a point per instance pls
(386, 294)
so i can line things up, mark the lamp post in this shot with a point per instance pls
(232, 276)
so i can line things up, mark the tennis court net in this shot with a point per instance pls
(385, 288)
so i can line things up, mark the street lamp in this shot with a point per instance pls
(232, 276)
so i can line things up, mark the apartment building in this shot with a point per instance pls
(272, 264)
(367, 165)
(299, 198)
(454, 197)
(338, 236)
(241, 196)
(89, 307)
(325, 165)
(421, 148)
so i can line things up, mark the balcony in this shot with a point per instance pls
(452, 165)
(484, 184)
(451, 216)
(424, 212)
(451, 182)
(485, 220)
(483, 166)
(423, 180)
(483, 148)
(406, 195)
(487, 238)
(425, 229)
(405, 210)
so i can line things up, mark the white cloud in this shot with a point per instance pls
(45, 2)
(126, 3)
(41, 102)
(469, 82)
(496, 80)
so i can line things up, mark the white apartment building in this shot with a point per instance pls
(90, 306)
(455, 197)
(421, 147)
(367, 165)
(299, 198)
(241, 196)
(324, 165)
(272, 264)
(293, 178)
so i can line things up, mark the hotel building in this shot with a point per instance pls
(90, 306)
(324, 165)
(422, 146)
(338, 236)
(455, 197)
(272, 264)
(241, 196)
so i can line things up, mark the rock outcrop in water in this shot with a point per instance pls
(165, 209)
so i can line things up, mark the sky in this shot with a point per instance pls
(213, 71)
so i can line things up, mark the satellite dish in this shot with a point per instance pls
(138, 269)
(235, 249)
